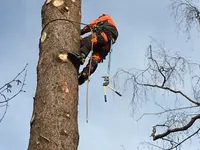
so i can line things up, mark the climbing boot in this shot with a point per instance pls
(82, 78)
(78, 56)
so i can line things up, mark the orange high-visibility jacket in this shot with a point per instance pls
(105, 24)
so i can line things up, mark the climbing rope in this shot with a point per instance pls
(90, 64)
(54, 20)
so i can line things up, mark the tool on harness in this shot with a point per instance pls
(106, 84)
(107, 78)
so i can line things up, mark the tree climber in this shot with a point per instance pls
(104, 32)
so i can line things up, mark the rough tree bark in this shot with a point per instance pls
(54, 121)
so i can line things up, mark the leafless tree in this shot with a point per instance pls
(167, 76)
(11, 89)
(186, 14)
(54, 123)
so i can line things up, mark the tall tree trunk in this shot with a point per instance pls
(54, 121)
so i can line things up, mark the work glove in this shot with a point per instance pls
(85, 29)
(82, 32)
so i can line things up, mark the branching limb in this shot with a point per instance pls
(185, 139)
(5, 111)
(186, 13)
(6, 93)
(183, 128)
(8, 86)
(166, 111)
(167, 73)
(173, 91)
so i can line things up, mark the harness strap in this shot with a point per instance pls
(109, 59)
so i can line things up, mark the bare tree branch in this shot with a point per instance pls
(186, 139)
(7, 87)
(173, 91)
(165, 111)
(15, 78)
(166, 73)
(186, 13)
(190, 123)
(6, 93)
(6, 105)
(174, 145)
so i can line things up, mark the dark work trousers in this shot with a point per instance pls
(101, 48)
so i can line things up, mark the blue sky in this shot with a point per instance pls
(110, 124)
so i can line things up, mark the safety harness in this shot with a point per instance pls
(109, 29)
